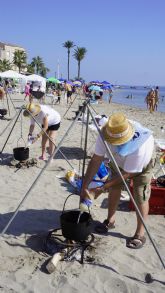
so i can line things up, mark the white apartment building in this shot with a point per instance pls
(7, 52)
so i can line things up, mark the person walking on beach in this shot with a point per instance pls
(49, 119)
(110, 95)
(150, 100)
(58, 93)
(156, 98)
(27, 90)
(132, 146)
(68, 90)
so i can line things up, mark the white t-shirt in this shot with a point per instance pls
(132, 163)
(53, 116)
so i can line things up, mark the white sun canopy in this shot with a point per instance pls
(12, 74)
(40, 79)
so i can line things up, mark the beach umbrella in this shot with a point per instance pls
(69, 82)
(95, 81)
(106, 87)
(105, 82)
(95, 88)
(77, 83)
(53, 80)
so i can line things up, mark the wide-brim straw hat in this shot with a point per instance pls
(34, 109)
(118, 130)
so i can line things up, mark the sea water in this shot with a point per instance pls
(135, 97)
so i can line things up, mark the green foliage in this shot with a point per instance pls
(30, 68)
(37, 63)
(19, 59)
(44, 70)
(79, 54)
(5, 65)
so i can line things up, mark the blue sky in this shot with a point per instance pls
(124, 38)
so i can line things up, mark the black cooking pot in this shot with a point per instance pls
(76, 226)
(3, 112)
(21, 153)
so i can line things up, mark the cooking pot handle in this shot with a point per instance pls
(20, 139)
(66, 201)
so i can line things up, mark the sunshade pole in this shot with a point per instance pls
(126, 186)
(37, 178)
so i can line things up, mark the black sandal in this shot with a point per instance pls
(104, 227)
(136, 242)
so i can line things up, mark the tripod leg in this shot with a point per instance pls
(12, 102)
(85, 145)
(37, 178)
(69, 106)
(8, 103)
(11, 131)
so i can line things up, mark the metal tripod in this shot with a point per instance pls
(85, 146)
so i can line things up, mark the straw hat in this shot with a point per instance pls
(118, 130)
(34, 109)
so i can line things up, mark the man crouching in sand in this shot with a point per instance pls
(132, 146)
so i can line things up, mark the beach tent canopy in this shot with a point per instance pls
(12, 74)
(41, 80)
(53, 80)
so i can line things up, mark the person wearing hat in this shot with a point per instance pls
(49, 119)
(132, 146)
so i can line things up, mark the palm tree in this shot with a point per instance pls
(68, 45)
(19, 59)
(5, 65)
(79, 54)
(30, 68)
(44, 70)
(37, 63)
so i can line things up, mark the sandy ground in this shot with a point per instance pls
(22, 260)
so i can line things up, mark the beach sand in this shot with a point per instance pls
(115, 268)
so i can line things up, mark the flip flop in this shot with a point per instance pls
(104, 227)
(136, 242)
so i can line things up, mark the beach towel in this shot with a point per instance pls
(140, 136)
